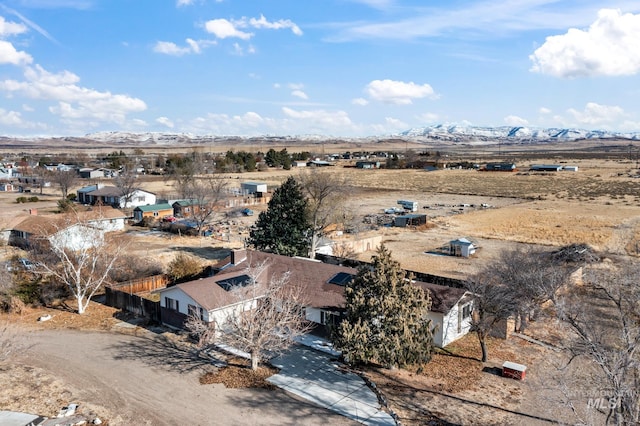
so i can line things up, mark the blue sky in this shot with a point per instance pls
(329, 67)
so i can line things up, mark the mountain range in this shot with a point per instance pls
(467, 133)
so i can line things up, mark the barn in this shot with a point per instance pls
(253, 187)
(545, 168)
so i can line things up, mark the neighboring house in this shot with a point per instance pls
(461, 247)
(322, 284)
(156, 211)
(73, 230)
(112, 196)
(91, 173)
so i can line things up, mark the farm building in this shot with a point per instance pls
(367, 164)
(545, 168)
(253, 187)
(410, 220)
(89, 173)
(570, 168)
(155, 210)
(500, 167)
(461, 247)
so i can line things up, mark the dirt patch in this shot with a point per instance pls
(237, 374)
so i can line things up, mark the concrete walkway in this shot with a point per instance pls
(316, 377)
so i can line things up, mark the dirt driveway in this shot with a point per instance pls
(148, 381)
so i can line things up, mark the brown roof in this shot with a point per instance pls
(314, 278)
(208, 294)
(49, 224)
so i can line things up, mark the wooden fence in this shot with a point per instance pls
(126, 296)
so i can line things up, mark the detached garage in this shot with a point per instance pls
(253, 187)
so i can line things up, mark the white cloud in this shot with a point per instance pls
(277, 85)
(223, 28)
(611, 46)
(241, 51)
(9, 55)
(398, 92)
(165, 122)
(10, 28)
(360, 101)
(514, 120)
(299, 94)
(275, 25)
(543, 110)
(74, 102)
(192, 46)
(596, 114)
(27, 108)
(10, 118)
(295, 86)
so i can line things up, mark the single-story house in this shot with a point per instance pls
(74, 230)
(322, 284)
(461, 247)
(156, 211)
(112, 196)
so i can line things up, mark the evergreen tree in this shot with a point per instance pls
(284, 227)
(386, 320)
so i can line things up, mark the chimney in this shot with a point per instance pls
(33, 212)
(238, 255)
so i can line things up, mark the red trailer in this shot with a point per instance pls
(514, 370)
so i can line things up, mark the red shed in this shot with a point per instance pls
(513, 370)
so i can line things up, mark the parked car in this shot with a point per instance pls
(247, 212)
(169, 219)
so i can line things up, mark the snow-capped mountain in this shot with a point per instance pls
(456, 132)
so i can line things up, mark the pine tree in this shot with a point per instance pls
(386, 319)
(284, 227)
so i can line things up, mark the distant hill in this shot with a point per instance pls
(462, 133)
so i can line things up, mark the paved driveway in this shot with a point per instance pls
(316, 377)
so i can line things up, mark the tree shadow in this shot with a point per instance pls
(208, 253)
(399, 385)
(161, 351)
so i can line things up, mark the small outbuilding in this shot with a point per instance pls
(499, 167)
(253, 187)
(410, 220)
(367, 164)
(461, 247)
(156, 211)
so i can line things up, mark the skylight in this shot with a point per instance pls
(341, 278)
(239, 281)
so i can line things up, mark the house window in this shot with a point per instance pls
(466, 311)
(329, 318)
(140, 199)
(172, 304)
(196, 311)
(156, 214)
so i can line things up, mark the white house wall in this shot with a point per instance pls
(436, 325)
(454, 325)
(313, 314)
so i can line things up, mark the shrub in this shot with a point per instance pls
(21, 200)
(184, 267)
(33, 199)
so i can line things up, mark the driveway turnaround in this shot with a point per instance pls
(317, 377)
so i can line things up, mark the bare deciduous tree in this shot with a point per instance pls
(207, 194)
(65, 180)
(126, 184)
(80, 256)
(267, 318)
(493, 302)
(604, 317)
(533, 278)
(325, 193)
